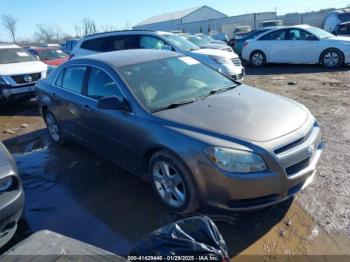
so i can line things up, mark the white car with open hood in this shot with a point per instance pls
(301, 44)
(19, 71)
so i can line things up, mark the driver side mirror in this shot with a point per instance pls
(113, 102)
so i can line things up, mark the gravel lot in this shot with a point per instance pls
(327, 95)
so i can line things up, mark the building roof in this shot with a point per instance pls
(170, 16)
(129, 57)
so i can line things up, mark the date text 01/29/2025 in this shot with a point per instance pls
(175, 258)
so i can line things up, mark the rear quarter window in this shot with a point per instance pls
(93, 44)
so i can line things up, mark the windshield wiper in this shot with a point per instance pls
(220, 90)
(176, 104)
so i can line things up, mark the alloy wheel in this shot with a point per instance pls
(257, 59)
(331, 59)
(52, 126)
(169, 184)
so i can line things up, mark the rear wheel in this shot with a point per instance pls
(258, 58)
(332, 58)
(172, 183)
(54, 129)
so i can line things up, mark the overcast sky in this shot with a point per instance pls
(66, 13)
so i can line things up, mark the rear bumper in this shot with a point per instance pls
(11, 209)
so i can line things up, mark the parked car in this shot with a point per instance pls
(301, 44)
(270, 23)
(69, 45)
(220, 36)
(199, 137)
(11, 196)
(49, 55)
(202, 43)
(237, 43)
(337, 22)
(241, 31)
(210, 39)
(227, 63)
(19, 71)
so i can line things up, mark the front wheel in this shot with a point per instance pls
(172, 183)
(332, 58)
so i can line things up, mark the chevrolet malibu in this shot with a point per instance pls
(197, 136)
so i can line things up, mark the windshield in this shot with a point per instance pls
(51, 54)
(181, 42)
(320, 33)
(161, 83)
(15, 55)
(198, 40)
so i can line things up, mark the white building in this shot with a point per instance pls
(172, 21)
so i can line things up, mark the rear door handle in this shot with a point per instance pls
(53, 94)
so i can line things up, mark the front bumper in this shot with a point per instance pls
(11, 209)
(13, 92)
(288, 173)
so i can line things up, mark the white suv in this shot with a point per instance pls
(227, 63)
(19, 71)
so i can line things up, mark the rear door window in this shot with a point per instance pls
(276, 35)
(121, 42)
(72, 78)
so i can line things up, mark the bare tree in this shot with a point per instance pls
(9, 22)
(86, 27)
(49, 34)
(108, 28)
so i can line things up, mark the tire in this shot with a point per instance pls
(176, 189)
(54, 129)
(257, 58)
(332, 58)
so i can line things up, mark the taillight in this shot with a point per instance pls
(245, 44)
(70, 56)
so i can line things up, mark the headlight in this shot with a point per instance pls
(221, 60)
(5, 183)
(235, 161)
(3, 81)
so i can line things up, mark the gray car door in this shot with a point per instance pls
(108, 131)
(66, 97)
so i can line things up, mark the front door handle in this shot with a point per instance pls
(87, 108)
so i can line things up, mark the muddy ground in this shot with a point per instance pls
(75, 192)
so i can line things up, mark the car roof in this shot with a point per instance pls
(44, 48)
(129, 57)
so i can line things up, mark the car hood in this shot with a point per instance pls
(343, 39)
(244, 112)
(56, 62)
(22, 68)
(215, 52)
